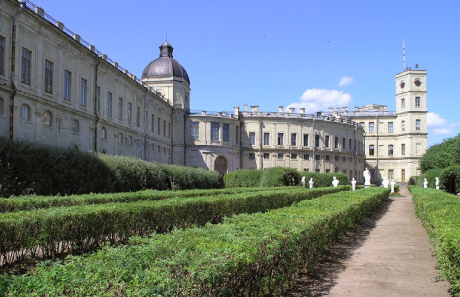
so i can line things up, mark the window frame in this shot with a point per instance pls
(48, 119)
(25, 112)
(83, 92)
(2, 55)
(48, 77)
(26, 64)
(194, 130)
(226, 132)
(215, 127)
(67, 92)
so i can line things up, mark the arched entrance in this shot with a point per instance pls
(220, 165)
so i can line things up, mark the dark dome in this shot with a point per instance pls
(165, 65)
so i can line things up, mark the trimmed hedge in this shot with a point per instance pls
(449, 179)
(243, 178)
(279, 176)
(247, 255)
(325, 179)
(80, 229)
(184, 178)
(440, 212)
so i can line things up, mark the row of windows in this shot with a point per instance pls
(215, 132)
(390, 150)
(390, 126)
(417, 102)
(294, 156)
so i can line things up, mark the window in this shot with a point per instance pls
(67, 84)
(343, 144)
(48, 77)
(326, 141)
(316, 140)
(390, 174)
(252, 138)
(403, 125)
(98, 99)
(305, 140)
(417, 101)
(2, 55)
(336, 158)
(2, 106)
(390, 150)
(362, 124)
(164, 128)
(158, 126)
(152, 124)
(138, 116)
(120, 138)
(252, 156)
(403, 149)
(354, 145)
(349, 144)
(109, 104)
(266, 155)
(390, 127)
(280, 156)
(293, 156)
(280, 138)
(371, 150)
(194, 132)
(371, 127)
(25, 66)
(120, 108)
(236, 134)
(293, 139)
(306, 157)
(225, 132)
(317, 157)
(214, 131)
(104, 133)
(417, 124)
(25, 112)
(83, 91)
(76, 126)
(48, 118)
(344, 159)
(130, 140)
(336, 142)
(130, 110)
(328, 158)
(372, 172)
(266, 138)
(403, 103)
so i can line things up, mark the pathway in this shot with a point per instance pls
(389, 255)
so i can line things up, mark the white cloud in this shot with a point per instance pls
(434, 119)
(443, 131)
(314, 100)
(345, 81)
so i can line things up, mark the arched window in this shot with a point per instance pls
(104, 133)
(48, 118)
(25, 112)
(76, 126)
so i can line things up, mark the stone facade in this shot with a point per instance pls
(64, 92)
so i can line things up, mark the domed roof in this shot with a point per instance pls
(165, 65)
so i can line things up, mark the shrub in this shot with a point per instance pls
(243, 178)
(450, 179)
(430, 175)
(442, 155)
(325, 179)
(183, 178)
(279, 176)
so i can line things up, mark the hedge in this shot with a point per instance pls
(247, 255)
(325, 179)
(243, 178)
(279, 176)
(78, 229)
(183, 178)
(440, 212)
(449, 179)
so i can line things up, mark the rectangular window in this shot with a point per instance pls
(2, 55)
(138, 116)
(371, 150)
(109, 104)
(25, 66)
(236, 134)
(328, 158)
(403, 149)
(280, 156)
(390, 150)
(293, 139)
(390, 127)
(403, 103)
(306, 156)
(169, 130)
(158, 127)
(403, 175)
(266, 138)
(120, 108)
(326, 141)
(403, 125)
(252, 156)
(305, 140)
(417, 124)
(164, 128)
(48, 77)
(152, 123)
(83, 91)
(317, 157)
(214, 131)
(417, 101)
(349, 144)
(362, 124)
(343, 144)
(336, 142)
(252, 138)
(371, 127)
(266, 155)
(130, 108)
(194, 130)
(390, 174)
(280, 138)
(67, 84)
(293, 156)
(225, 132)
(98, 99)
(2, 106)
(372, 172)
(316, 140)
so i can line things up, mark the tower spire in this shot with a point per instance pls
(404, 54)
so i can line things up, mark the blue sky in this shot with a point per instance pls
(274, 53)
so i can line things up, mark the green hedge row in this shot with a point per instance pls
(325, 179)
(440, 213)
(247, 255)
(28, 168)
(36, 202)
(449, 179)
(78, 229)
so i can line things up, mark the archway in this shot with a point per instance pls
(220, 165)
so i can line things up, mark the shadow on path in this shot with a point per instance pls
(320, 279)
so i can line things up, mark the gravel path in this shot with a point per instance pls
(388, 255)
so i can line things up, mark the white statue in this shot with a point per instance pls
(311, 182)
(437, 183)
(392, 184)
(303, 181)
(367, 178)
(385, 182)
(425, 183)
(353, 184)
(335, 182)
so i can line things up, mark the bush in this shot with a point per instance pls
(450, 179)
(430, 175)
(325, 179)
(279, 176)
(442, 155)
(243, 178)
(184, 178)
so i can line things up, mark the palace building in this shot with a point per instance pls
(57, 89)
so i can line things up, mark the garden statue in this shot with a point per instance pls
(425, 183)
(437, 183)
(303, 181)
(392, 184)
(385, 182)
(311, 182)
(335, 182)
(367, 178)
(353, 184)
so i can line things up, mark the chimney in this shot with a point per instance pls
(331, 110)
(281, 109)
(236, 110)
(255, 108)
(292, 109)
(302, 110)
(245, 107)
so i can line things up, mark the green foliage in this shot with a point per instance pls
(450, 179)
(430, 175)
(183, 178)
(246, 255)
(325, 179)
(439, 212)
(279, 176)
(442, 155)
(243, 178)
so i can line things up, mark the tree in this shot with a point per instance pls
(442, 155)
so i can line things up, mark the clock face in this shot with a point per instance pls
(417, 83)
(402, 85)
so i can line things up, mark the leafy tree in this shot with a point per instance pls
(442, 155)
